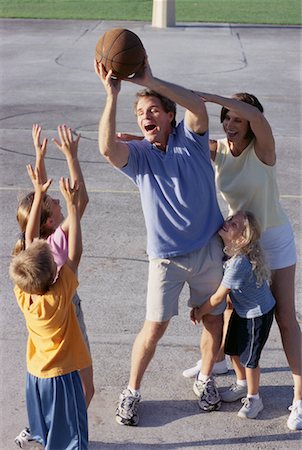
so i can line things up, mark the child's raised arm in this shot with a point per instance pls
(40, 151)
(40, 188)
(69, 147)
(71, 196)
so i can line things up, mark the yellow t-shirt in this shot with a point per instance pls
(246, 183)
(55, 343)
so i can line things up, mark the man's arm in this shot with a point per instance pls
(114, 151)
(196, 117)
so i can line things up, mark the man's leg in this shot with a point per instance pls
(204, 386)
(143, 350)
(220, 367)
(165, 282)
(210, 341)
(142, 353)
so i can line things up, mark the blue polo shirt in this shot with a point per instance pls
(177, 190)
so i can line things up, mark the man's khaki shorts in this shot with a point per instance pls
(201, 269)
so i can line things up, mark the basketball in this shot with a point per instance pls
(120, 50)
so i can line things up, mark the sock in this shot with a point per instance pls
(134, 392)
(256, 396)
(202, 377)
(241, 382)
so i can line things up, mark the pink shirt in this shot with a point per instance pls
(58, 243)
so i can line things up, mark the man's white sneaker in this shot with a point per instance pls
(207, 392)
(126, 412)
(294, 421)
(218, 369)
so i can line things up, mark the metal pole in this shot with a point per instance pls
(163, 14)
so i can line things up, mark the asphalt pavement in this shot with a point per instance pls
(47, 77)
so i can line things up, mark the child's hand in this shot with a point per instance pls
(34, 175)
(67, 144)
(128, 137)
(39, 148)
(195, 316)
(69, 193)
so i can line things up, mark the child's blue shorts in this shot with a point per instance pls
(57, 411)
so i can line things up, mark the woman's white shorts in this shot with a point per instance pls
(279, 246)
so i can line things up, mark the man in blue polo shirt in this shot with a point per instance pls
(172, 169)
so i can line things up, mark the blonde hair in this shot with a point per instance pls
(23, 211)
(251, 247)
(34, 269)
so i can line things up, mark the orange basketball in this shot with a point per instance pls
(120, 50)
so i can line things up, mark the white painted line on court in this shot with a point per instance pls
(117, 191)
(111, 191)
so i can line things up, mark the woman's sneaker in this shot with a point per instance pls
(126, 412)
(209, 398)
(218, 369)
(25, 439)
(294, 421)
(251, 408)
(233, 393)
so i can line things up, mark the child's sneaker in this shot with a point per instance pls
(209, 399)
(126, 412)
(233, 393)
(294, 421)
(25, 439)
(251, 408)
(218, 369)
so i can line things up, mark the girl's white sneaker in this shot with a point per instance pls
(294, 421)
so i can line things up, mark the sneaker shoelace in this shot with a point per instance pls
(246, 401)
(129, 405)
(211, 392)
(295, 408)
